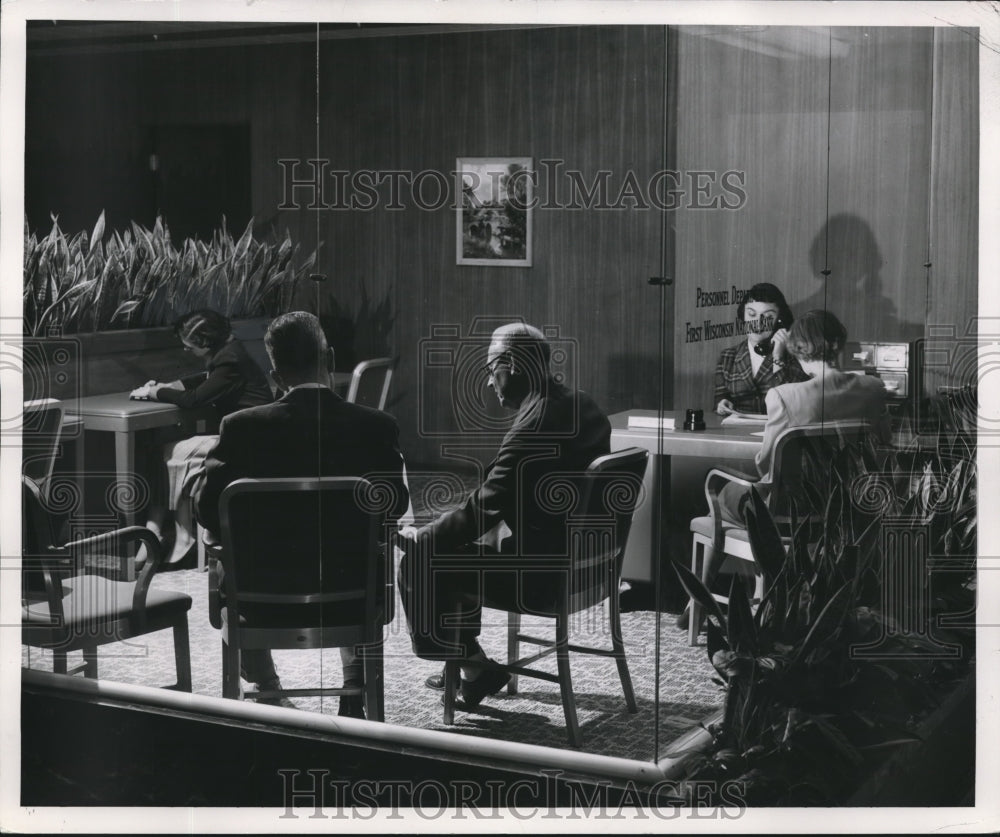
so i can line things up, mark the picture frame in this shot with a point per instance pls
(494, 197)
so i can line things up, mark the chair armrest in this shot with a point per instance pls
(118, 538)
(149, 568)
(717, 479)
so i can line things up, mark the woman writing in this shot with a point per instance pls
(232, 381)
(747, 371)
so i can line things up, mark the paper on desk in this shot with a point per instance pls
(745, 418)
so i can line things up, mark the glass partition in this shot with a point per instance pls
(620, 188)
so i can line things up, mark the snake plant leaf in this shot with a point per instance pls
(98, 233)
(244, 243)
(80, 289)
(765, 540)
(742, 631)
(126, 308)
(696, 589)
(829, 620)
(715, 639)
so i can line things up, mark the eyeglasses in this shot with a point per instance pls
(491, 367)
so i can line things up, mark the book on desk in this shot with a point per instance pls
(745, 418)
(650, 422)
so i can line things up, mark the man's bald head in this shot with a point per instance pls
(518, 362)
(525, 343)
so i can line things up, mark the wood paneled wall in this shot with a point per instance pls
(591, 98)
(954, 213)
(890, 105)
(897, 108)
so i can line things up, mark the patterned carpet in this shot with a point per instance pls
(686, 692)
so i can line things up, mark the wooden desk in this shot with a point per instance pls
(713, 444)
(117, 413)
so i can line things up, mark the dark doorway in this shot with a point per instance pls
(200, 173)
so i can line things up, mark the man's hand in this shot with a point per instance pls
(724, 407)
(406, 539)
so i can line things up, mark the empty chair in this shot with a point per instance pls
(301, 568)
(72, 599)
(40, 438)
(801, 471)
(370, 383)
(586, 576)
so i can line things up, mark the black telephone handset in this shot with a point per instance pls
(765, 347)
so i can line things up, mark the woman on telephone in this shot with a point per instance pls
(746, 371)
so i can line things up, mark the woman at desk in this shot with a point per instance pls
(232, 381)
(828, 394)
(747, 371)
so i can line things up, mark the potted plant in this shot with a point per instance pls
(807, 719)
(113, 295)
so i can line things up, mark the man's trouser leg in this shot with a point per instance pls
(440, 596)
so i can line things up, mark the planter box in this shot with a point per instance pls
(936, 771)
(939, 770)
(79, 365)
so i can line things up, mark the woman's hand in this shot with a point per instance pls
(154, 388)
(779, 350)
(724, 407)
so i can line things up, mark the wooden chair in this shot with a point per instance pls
(800, 470)
(73, 601)
(589, 574)
(370, 383)
(301, 567)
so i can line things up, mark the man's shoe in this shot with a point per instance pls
(278, 701)
(274, 685)
(352, 706)
(489, 682)
(435, 681)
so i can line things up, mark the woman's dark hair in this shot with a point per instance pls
(204, 328)
(766, 292)
(817, 335)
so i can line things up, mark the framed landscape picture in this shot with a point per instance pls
(493, 224)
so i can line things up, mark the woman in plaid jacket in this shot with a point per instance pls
(747, 371)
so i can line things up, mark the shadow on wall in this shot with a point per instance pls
(846, 246)
(354, 335)
(632, 383)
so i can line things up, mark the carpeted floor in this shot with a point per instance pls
(684, 695)
(686, 692)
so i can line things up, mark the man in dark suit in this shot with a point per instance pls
(309, 432)
(451, 564)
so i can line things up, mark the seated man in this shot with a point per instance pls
(309, 432)
(446, 567)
